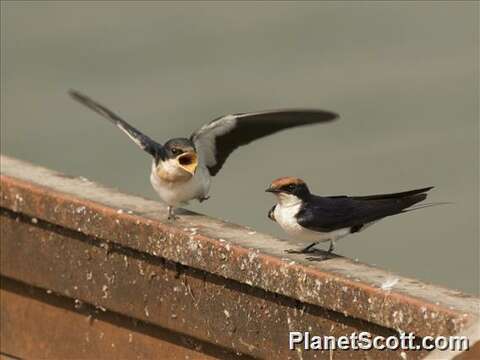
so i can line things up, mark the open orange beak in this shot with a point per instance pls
(188, 161)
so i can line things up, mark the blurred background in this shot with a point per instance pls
(403, 76)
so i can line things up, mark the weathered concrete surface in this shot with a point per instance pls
(213, 281)
(39, 325)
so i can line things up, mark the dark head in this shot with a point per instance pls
(289, 186)
(183, 152)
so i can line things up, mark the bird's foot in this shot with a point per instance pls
(321, 256)
(294, 251)
(308, 250)
(302, 251)
(203, 198)
(171, 214)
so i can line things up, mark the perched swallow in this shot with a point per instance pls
(182, 167)
(311, 218)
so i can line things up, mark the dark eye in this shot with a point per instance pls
(291, 187)
(175, 151)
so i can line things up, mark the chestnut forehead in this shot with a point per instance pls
(278, 183)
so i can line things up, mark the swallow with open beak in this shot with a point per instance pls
(311, 219)
(182, 167)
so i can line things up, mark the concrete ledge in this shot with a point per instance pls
(217, 282)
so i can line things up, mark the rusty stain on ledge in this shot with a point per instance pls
(99, 246)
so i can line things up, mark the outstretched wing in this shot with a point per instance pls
(143, 141)
(325, 214)
(218, 139)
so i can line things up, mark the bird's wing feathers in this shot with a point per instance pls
(206, 139)
(325, 214)
(218, 139)
(271, 213)
(142, 140)
(402, 194)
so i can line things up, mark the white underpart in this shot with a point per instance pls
(204, 138)
(175, 193)
(285, 211)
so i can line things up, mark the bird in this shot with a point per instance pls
(182, 167)
(312, 219)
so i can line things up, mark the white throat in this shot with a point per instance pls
(288, 200)
(170, 171)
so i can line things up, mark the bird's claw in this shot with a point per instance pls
(202, 199)
(302, 251)
(320, 257)
(293, 251)
(171, 214)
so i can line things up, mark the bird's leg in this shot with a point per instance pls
(331, 248)
(307, 249)
(171, 213)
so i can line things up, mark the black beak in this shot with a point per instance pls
(272, 190)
